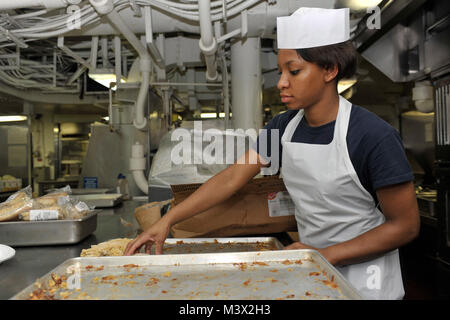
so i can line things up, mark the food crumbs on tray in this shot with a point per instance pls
(107, 278)
(290, 269)
(130, 266)
(307, 294)
(314, 274)
(242, 266)
(273, 270)
(215, 241)
(259, 263)
(167, 274)
(290, 296)
(65, 294)
(152, 282)
(246, 282)
(286, 262)
(331, 283)
(164, 291)
(100, 268)
(130, 282)
(298, 261)
(180, 242)
(89, 267)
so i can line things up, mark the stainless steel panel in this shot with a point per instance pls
(36, 233)
(78, 191)
(101, 200)
(283, 274)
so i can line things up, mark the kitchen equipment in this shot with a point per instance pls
(50, 232)
(101, 200)
(283, 274)
(215, 245)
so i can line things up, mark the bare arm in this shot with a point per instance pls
(217, 189)
(214, 191)
(402, 225)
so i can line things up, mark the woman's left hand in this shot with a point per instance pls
(298, 245)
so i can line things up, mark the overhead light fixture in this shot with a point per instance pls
(211, 115)
(345, 84)
(362, 4)
(12, 118)
(105, 77)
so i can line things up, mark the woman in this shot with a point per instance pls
(345, 169)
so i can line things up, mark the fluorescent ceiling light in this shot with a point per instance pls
(208, 115)
(105, 77)
(345, 84)
(12, 118)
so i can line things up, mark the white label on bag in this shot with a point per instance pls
(280, 204)
(42, 214)
(81, 206)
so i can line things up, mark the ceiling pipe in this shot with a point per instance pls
(18, 4)
(106, 8)
(207, 43)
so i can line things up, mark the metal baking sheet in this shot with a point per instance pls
(101, 200)
(212, 245)
(268, 275)
(79, 191)
(51, 232)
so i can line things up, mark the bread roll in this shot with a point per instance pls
(115, 247)
(48, 200)
(11, 210)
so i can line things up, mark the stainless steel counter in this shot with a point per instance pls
(30, 263)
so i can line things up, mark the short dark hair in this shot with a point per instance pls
(341, 54)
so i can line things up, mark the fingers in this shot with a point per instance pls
(134, 246)
(159, 247)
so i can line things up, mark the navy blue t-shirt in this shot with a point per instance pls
(375, 147)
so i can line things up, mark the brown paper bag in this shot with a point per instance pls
(149, 213)
(245, 213)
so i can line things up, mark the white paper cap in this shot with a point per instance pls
(313, 27)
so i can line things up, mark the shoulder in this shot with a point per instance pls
(368, 127)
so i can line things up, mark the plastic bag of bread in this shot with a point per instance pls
(41, 214)
(75, 209)
(16, 204)
(51, 199)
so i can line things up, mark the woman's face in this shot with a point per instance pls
(301, 83)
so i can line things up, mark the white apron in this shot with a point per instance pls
(332, 206)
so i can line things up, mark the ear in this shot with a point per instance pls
(331, 73)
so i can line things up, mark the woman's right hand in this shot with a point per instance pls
(155, 235)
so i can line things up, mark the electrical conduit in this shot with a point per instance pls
(137, 166)
(106, 7)
(137, 160)
(207, 43)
